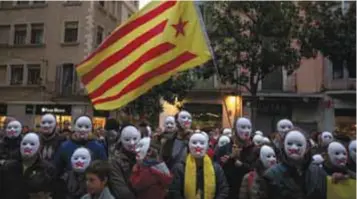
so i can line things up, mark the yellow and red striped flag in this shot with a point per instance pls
(158, 41)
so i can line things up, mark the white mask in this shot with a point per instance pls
(258, 140)
(352, 150)
(142, 148)
(198, 145)
(295, 145)
(80, 159)
(129, 137)
(170, 124)
(267, 156)
(337, 154)
(223, 141)
(83, 127)
(258, 133)
(227, 132)
(184, 118)
(284, 126)
(326, 138)
(48, 123)
(266, 140)
(244, 128)
(13, 129)
(30, 144)
(317, 159)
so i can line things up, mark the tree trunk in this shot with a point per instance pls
(254, 103)
(254, 108)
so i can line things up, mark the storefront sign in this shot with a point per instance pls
(54, 109)
(274, 108)
(29, 109)
(3, 109)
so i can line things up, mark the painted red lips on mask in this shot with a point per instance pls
(198, 149)
(11, 133)
(27, 150)
(79, 164)
(293, 151)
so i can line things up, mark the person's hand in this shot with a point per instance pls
(224, 159)
(235, 152)
(238, 163)
(338, 177)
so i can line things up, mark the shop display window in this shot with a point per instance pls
(2, 121)
(99, 122)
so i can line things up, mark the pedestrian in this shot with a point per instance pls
(294, 177)
(30, 177)
(97, 175)
(150, 177)
(75, 178)
(122, 163)
(266, 158)
(198, 176)
(174, 149)
(10, 143)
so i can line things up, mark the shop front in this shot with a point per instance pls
(205, 116)
(99, 118)
(63, 113)
(3, 113)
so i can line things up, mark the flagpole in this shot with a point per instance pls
(215, 64)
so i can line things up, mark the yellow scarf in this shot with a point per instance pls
(191, 177)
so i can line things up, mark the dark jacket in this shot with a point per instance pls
(17, 183)
(76, 185)
(283, 181)
(235, 174)
(176, 190)
(121, 167)
(50, 144)
(10, 148)
(149, 183)
(166, 150)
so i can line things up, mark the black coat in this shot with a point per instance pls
(10, 148)
(177, 187)
(17, 183)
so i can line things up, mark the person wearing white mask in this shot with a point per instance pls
(30, 177)
(174, 149)
(123, 162)
(250, 183)
(198, 176)
(75, 179)
(237, 158)
(294, 177)
(258, 140)
(336, 160)
(10, 143)
(150, 177)
(51, 140)
(227, 132)
(81, 137)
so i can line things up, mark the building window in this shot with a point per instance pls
(34, 74)
(20, 34)
(101, 3)
(337, 69)
(37, 33)
(16, 76)
(71, 32)
(22, 3)
(4, 34)
(129, 14)
(99, 36)
(3, 74)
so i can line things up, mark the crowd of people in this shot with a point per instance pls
(128, 161)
